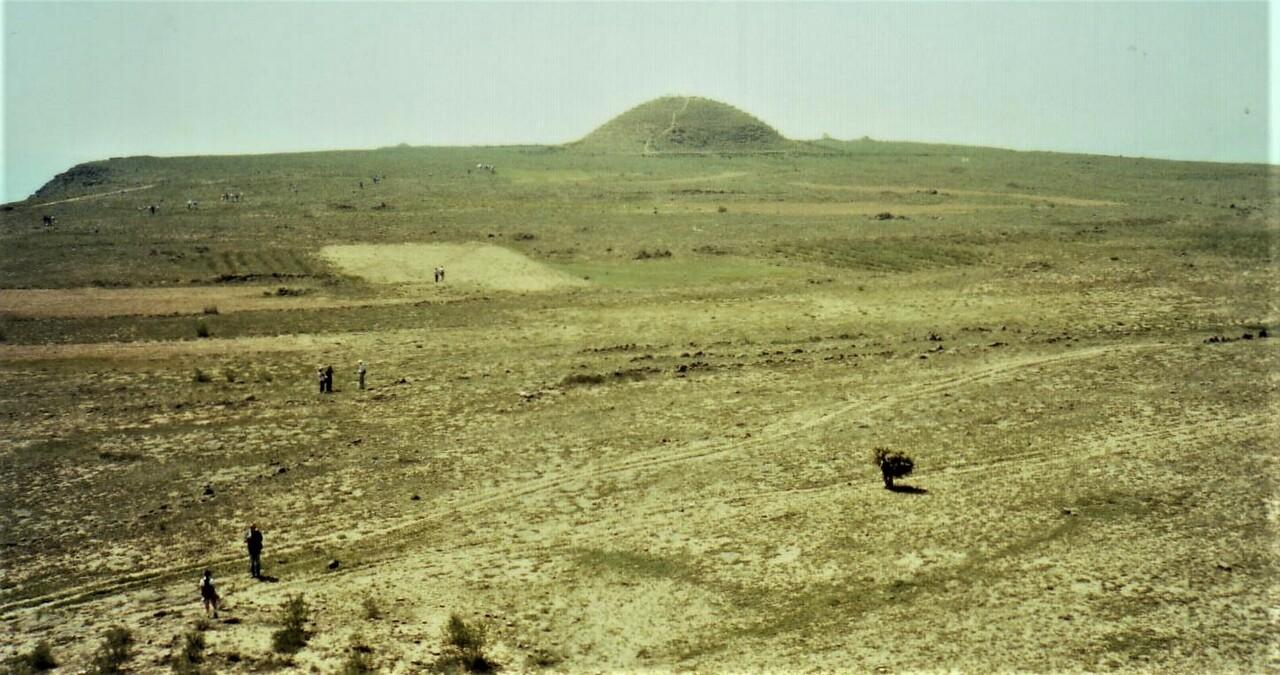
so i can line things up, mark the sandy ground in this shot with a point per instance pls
(716, 519)
(466, 265)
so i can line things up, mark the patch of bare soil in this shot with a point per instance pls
(466, 265)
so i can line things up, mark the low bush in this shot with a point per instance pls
(188, 659)
(892, 465)
(359, 660)
(371, 609)
(292, 635)
(211, 309)
(464, 645)
(201, 376)
(115, 651)
(38, 660)
(202, 329)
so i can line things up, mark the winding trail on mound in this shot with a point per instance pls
(648, 142)
(95, 195)
(792, 425)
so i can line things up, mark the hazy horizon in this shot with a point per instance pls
(88, 81)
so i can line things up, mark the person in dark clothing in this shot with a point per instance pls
(209, 594)
(254, 541)
(328, 379)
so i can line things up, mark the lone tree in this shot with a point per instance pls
(892, 465)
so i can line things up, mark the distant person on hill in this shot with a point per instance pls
(360, 370)
(253, 540)
(442, 273)
(328, 379)
(320, 377)
(209, 594)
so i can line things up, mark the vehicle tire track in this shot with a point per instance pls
(796, 423)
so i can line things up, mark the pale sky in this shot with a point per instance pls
(85, 81)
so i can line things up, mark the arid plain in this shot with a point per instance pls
(630, 430)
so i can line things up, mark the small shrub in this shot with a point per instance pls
(39, 659)
(645, 254)
(541, 657)
(115, 651)
(201, 376)
(230, 375)
(187, 661)
(292, 635)
(359, 661)
(372, 611)
(202, 329)
(582, 379)
(211, 309)
(464, 646)
(722, 209)
(892, 465)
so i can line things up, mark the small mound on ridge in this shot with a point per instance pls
(465, 265)
(673, 124)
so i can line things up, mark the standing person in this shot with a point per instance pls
(209, 594)
(320, 377)
(253, 540)
(328, 379)
(360, 373)
(442, 273)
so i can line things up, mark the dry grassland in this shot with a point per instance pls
(630, 464)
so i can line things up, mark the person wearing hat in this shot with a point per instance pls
(254, 541)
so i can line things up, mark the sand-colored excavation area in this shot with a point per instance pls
(479, 265)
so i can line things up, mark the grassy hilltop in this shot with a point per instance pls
(673, 124)
(630, 430)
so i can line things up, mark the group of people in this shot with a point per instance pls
(325, 377)
(439, 273)
(209, 593)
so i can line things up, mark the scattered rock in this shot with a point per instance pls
(333, 564)
(208, 490)
(415, 498)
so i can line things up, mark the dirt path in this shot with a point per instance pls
(648, 143)
(95, 195)
(400, 535)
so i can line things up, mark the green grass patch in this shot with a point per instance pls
(678, 271)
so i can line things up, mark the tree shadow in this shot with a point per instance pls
(908, 489)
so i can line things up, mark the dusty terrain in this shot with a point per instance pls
(627, 462)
